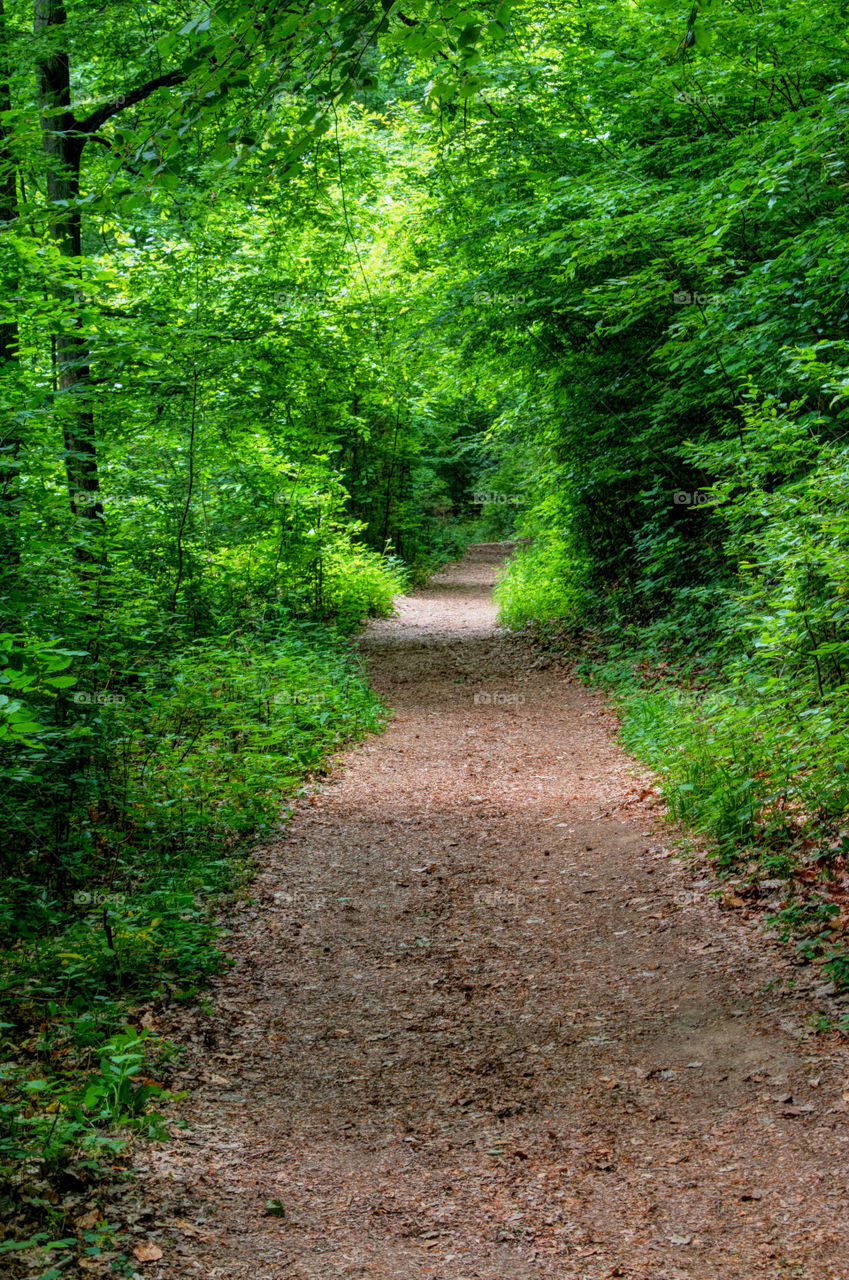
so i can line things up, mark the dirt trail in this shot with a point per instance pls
(481, 1026)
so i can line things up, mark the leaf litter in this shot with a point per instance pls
(482, 1071)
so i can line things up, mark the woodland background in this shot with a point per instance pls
(296, 300)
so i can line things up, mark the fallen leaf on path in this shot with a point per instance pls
(147, 1251)
(88, 1220)
(189, 1229)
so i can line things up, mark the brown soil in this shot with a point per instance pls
(481, 1025)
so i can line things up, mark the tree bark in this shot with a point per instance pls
(63, 139)
(63, 148)
(10, 439)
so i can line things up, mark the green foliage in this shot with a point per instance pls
(760, 775)
(538, 585)
(711, 756)
(291, 307)
(191, 764)
(54, 1115)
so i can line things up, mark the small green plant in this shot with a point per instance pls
(837, 966)
(807, 916)
(119, 1094)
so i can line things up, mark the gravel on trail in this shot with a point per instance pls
(481, 1025)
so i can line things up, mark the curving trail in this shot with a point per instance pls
(480, 1026)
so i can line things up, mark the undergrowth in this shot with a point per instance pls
(136, 802)
(755, 763)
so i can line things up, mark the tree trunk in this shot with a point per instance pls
(63, 147)
(9, 440)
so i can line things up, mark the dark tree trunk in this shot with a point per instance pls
(64, 138)
(9, 440)
(63, 147)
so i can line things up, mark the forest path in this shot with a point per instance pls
(480, 1026)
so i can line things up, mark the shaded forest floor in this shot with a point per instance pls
(482, 1025)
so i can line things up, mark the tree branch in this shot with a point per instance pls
(92, 122)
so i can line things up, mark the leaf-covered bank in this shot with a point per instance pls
(755, 769)
(152, 798)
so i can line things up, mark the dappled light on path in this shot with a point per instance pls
(482, 1026)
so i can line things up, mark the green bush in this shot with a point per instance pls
(542, 582)
(162, 791)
